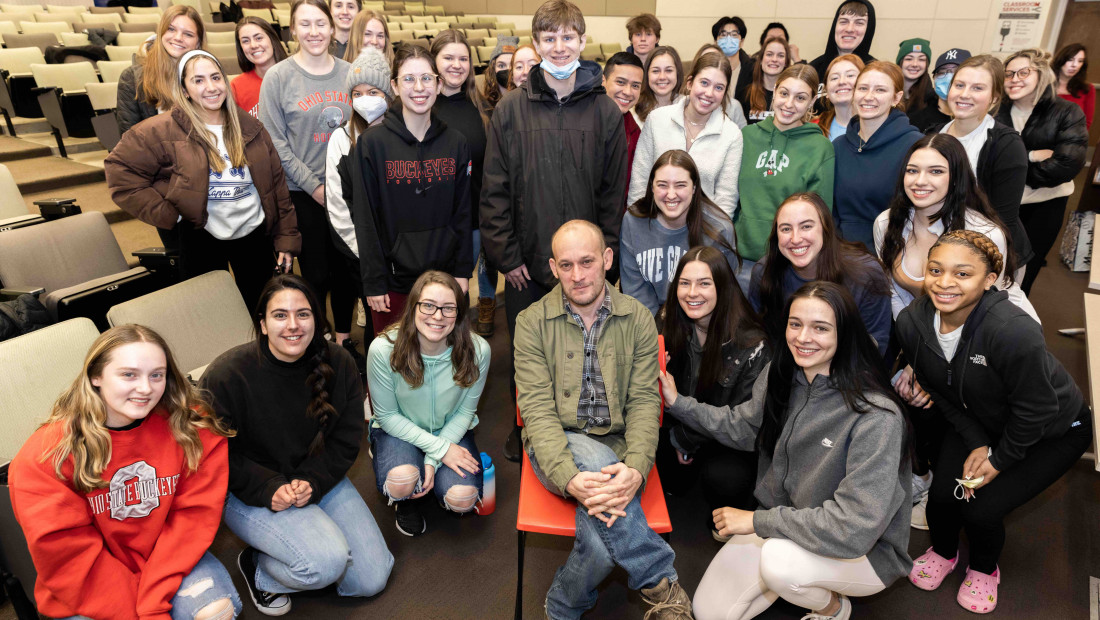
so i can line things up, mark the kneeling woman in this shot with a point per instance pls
(296, 402)
(130, 420)
(426, 374)
(833, 482)
(1017, 420)
(716, 349)
(216, 172)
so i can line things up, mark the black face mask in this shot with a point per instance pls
(502, 79)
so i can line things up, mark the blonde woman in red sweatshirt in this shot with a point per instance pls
(121, 491)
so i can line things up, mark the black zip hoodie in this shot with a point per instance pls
(410, 203)
(1003, 388)
(863, 50)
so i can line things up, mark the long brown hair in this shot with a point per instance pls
(700, 231)
(358, 26)
(445, 38)
(82, 414)
(839, 261)
(321, 376)
(712, 61)
(647, 101)
(732, 319)
(757, 99)
(159, 70)
(231, 125)
(277, 48)
(1078, 84)
(406, 359)
(825, 119)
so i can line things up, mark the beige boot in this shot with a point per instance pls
(486, 308)
(668, 601)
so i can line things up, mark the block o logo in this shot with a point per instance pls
(144, 473)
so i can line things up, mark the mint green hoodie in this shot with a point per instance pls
(432, 416)
(774, 165)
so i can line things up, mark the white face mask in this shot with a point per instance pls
(370, 108)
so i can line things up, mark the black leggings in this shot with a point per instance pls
(727, 476)
(252, 258)
(1042, 221)
(983, 516)
(322, 265)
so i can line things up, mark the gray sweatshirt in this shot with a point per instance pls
(837, 484)
(300, 111)
(650, 253)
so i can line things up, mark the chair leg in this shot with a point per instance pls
(519, 575)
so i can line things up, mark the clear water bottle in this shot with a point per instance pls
(489, 486)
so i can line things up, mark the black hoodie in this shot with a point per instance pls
(821, 63)
(1003, 388)
(410, 203)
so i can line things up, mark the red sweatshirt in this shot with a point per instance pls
(121, 551)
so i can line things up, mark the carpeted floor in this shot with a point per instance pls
(13, 149)
(51, 173)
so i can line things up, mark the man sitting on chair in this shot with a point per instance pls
(586, 371)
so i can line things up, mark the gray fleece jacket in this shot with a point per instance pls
(837, 484)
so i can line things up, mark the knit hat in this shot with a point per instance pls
(505, 45)
(914, 46)
(953, 56)
(370, 68)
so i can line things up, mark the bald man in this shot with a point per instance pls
(586, 371)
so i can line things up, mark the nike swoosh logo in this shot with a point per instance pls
(421, 190)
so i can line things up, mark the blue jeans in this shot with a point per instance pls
(390, 452)
(333, 541)
(630, 543)
(486, 277)
(196, 593)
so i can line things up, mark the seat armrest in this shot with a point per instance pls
(11, 292)
(56, 208)
(158, 258)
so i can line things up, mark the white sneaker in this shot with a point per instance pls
(844, 614)
(919, 518)
(361, 316)
(920, 487)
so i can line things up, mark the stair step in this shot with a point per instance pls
(52, 174)
(13, 149)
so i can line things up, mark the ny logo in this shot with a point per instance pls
(952, 54)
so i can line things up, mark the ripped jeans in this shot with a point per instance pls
(391, 453)
(206, 583)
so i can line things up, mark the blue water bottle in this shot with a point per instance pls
(489, 486)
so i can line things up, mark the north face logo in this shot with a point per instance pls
(978, 359)
(828, 443)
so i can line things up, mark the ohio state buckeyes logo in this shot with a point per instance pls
(134, 492)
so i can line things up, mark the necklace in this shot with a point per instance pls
(694, 124)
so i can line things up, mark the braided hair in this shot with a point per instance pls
(981, 245)
(320, 377)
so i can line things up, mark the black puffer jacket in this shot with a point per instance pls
(22, 315)
(548, 162)
(1002, 173)
(1058, 125)
(132, 108)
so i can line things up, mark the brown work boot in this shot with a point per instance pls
(668, 601)
(486, 307)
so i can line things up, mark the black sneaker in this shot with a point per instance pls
(513, 446)
(267, 603)
(409, 520)
(360, 361)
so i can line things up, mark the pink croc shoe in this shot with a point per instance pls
(978, 592)
(930, 569)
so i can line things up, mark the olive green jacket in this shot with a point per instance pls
(549, 356)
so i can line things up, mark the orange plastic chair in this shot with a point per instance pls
(543, 512)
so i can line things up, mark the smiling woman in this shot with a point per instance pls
(258, 49)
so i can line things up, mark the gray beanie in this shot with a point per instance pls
(370, 68)
(505, 45)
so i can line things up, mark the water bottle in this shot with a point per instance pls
(489, 486)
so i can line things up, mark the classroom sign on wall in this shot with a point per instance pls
(1016, 24)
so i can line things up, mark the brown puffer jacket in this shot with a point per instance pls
(158, 173)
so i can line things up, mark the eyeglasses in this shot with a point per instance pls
(729, 33)
(428, 308)
(408, 80)
(1021, 73)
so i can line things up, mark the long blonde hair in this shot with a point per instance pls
(231, 124)
(82, 414)
(159, 70)
(358, 25)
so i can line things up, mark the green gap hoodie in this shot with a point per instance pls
(775, 165)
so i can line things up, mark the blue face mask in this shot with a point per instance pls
(942, 84)
(559, 73)
(729, 45)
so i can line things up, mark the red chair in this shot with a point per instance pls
(543, 512)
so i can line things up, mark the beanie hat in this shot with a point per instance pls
(914, 46)
(370, 68)
(505, 45)
(953, 56)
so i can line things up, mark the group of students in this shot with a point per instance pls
(794, 241)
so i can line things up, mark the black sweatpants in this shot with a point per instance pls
(983, 516)
(322, 265)
(727, 476)
(252, 258)
(1042, 221)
